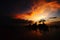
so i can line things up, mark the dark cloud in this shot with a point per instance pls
(9, 6)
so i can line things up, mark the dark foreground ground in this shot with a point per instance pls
(12, 30)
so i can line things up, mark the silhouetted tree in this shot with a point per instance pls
(42, 20)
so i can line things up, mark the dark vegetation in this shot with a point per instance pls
(14, 29)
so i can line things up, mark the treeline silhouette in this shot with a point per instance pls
(11, 28)
(41, 27)
(10, 22)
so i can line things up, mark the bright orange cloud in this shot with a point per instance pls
(39, 10)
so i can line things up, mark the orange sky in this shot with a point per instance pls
(40, 10)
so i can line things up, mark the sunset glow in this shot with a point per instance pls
(40, 10)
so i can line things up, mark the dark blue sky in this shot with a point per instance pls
(10, 6)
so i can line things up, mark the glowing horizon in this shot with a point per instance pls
(40, 10)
